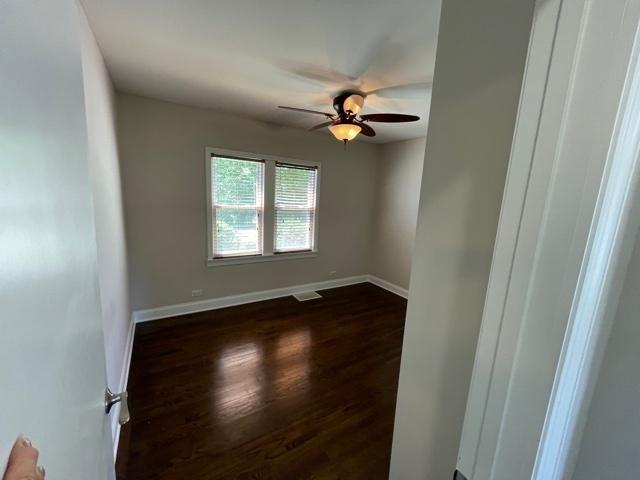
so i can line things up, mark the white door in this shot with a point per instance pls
(52, 367)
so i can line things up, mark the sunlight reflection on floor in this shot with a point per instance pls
(292, 357)
(240, 374)
(239, 371)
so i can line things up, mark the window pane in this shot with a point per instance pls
(295, 187)
(237, 182)
(295, 205)
(294, 230)
(237, 206)
(237, 231)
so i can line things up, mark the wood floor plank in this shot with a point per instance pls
(273, 390)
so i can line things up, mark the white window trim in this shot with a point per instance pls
(268, 220)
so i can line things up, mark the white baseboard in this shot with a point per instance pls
(230, 301)
(402, 292)
(124, 380)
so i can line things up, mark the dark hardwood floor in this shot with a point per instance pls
(272, 390)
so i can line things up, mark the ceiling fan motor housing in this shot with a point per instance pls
(339, 102)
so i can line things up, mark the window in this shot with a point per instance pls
(237, 206)
(295, 207)
(260, 208)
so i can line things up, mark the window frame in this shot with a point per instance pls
(258, 208)
(268, 208)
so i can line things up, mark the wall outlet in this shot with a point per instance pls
(196, 293)
(332, 273)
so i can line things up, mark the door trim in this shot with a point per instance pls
(534, 89)
(612, 240)
(570, 38)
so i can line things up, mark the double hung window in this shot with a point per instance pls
(260, 207)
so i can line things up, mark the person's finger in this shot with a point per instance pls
(40, 473)
(22, 461)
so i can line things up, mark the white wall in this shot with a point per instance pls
(51, 362)
(107, 203)
(397, 194)
(479, 67)
(162, 157)
(610, 441)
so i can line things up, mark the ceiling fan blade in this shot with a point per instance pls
(389, 117)
(315, 73)
(409, 90)
(367, 131)
(304, 110)
(322, 125)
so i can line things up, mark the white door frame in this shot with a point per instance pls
(563, 235)
(610, 246)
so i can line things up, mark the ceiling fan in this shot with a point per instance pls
(347, 122)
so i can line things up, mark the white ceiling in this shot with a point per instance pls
(245, 57)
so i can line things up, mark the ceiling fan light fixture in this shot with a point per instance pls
(345, 132)
(353, 104)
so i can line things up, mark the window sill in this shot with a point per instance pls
(221, 262)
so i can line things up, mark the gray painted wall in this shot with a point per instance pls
(478, 75)
(396, 210)
(104, 171)
(610, 443)
(163, 169)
